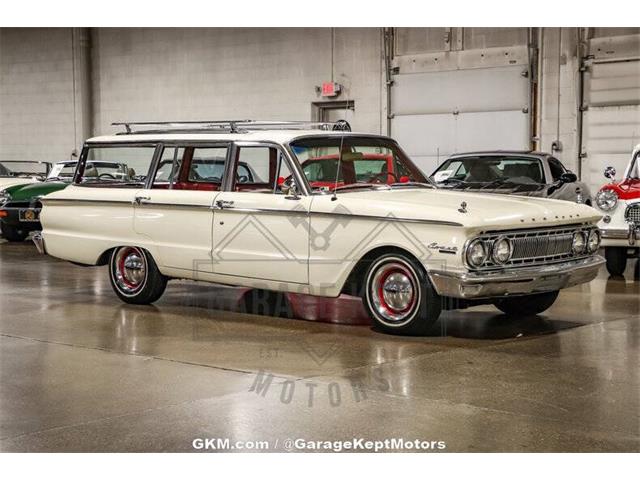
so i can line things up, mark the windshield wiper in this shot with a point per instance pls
(359, 186)
(412, 184)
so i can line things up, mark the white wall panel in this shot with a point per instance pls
(491, 89)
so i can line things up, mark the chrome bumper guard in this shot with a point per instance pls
(632, 233)
(517, 281)
(39, 242)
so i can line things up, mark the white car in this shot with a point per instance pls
(14, 172)
(228, 202)
(619, 202)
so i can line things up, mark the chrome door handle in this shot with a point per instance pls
(140, 200)
(221, 204)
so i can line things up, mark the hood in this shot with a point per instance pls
(6, 182)
(26, 193)
(483, 211)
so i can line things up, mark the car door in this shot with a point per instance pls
(175, 210)
(259, 230)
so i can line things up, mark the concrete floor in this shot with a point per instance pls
(80, 371)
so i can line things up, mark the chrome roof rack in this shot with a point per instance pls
(226, 126)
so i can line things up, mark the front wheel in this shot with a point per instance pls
(135, 277)
(399, 297)
(616, 260)
(527, 304)
(14, 234)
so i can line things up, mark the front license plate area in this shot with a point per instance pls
(29, 215)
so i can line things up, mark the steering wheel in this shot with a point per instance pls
(107, 175)
(379, 176)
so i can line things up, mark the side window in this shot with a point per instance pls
(207, 165)
(556, 168)
(116, 164)
(260, 170)
(169, 167)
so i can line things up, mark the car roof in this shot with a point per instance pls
(496, 153)
(260, 135)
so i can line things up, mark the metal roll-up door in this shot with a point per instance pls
(456, 101)
(611, 116)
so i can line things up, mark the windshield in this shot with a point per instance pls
(362, 161)
(10, 168)
(494, 169)
(634, 168)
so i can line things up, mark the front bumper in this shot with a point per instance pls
(631, 234)
(518, 281)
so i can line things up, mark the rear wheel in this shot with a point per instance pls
(135, 277)
(14, 234)
(399, 297)
(527, 304)
(616, 260)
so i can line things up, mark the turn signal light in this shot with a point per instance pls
(4, 213)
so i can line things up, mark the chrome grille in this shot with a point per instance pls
(632, 215)
(536, 247)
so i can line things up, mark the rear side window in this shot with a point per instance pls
(116, 165)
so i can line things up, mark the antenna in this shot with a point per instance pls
(334, 197)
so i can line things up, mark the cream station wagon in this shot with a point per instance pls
(245, 203)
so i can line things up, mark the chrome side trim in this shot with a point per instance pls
(520, 281)
(73, 201)
(259, 210)
(392, 219)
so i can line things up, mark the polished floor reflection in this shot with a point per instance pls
(80, 371)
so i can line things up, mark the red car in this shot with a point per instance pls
(619, 202)
(355, 167)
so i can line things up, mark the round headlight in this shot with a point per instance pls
(579, 242)
(476, 253)
(594, 241)
(4, 197)
(502, 250)
(606, 199)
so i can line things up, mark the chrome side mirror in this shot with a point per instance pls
(610, 173)
(291, 191)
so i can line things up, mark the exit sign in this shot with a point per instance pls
(330, 89)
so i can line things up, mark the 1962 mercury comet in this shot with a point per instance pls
(408, 248)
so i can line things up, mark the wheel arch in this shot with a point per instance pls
(353, 283)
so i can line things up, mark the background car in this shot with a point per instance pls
(17, 172)
(535, 174)
(20, 204)
(359, 167)
(619, 202)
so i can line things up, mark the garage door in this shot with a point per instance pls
(457, 101)
(437, 114)
(611, 122)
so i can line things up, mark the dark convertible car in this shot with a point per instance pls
(535, 174)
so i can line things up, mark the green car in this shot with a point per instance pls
(20, 204)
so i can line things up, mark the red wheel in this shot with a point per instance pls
(399, 297)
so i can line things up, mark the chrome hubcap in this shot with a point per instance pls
(130, 269)
(397, 291)
(393, 291)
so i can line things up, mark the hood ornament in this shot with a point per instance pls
(463, 207)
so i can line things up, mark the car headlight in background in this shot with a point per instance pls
(594, 241)
(4, 197)
(502, 250)
(476, 253)
(606, 199)
(579, 242)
